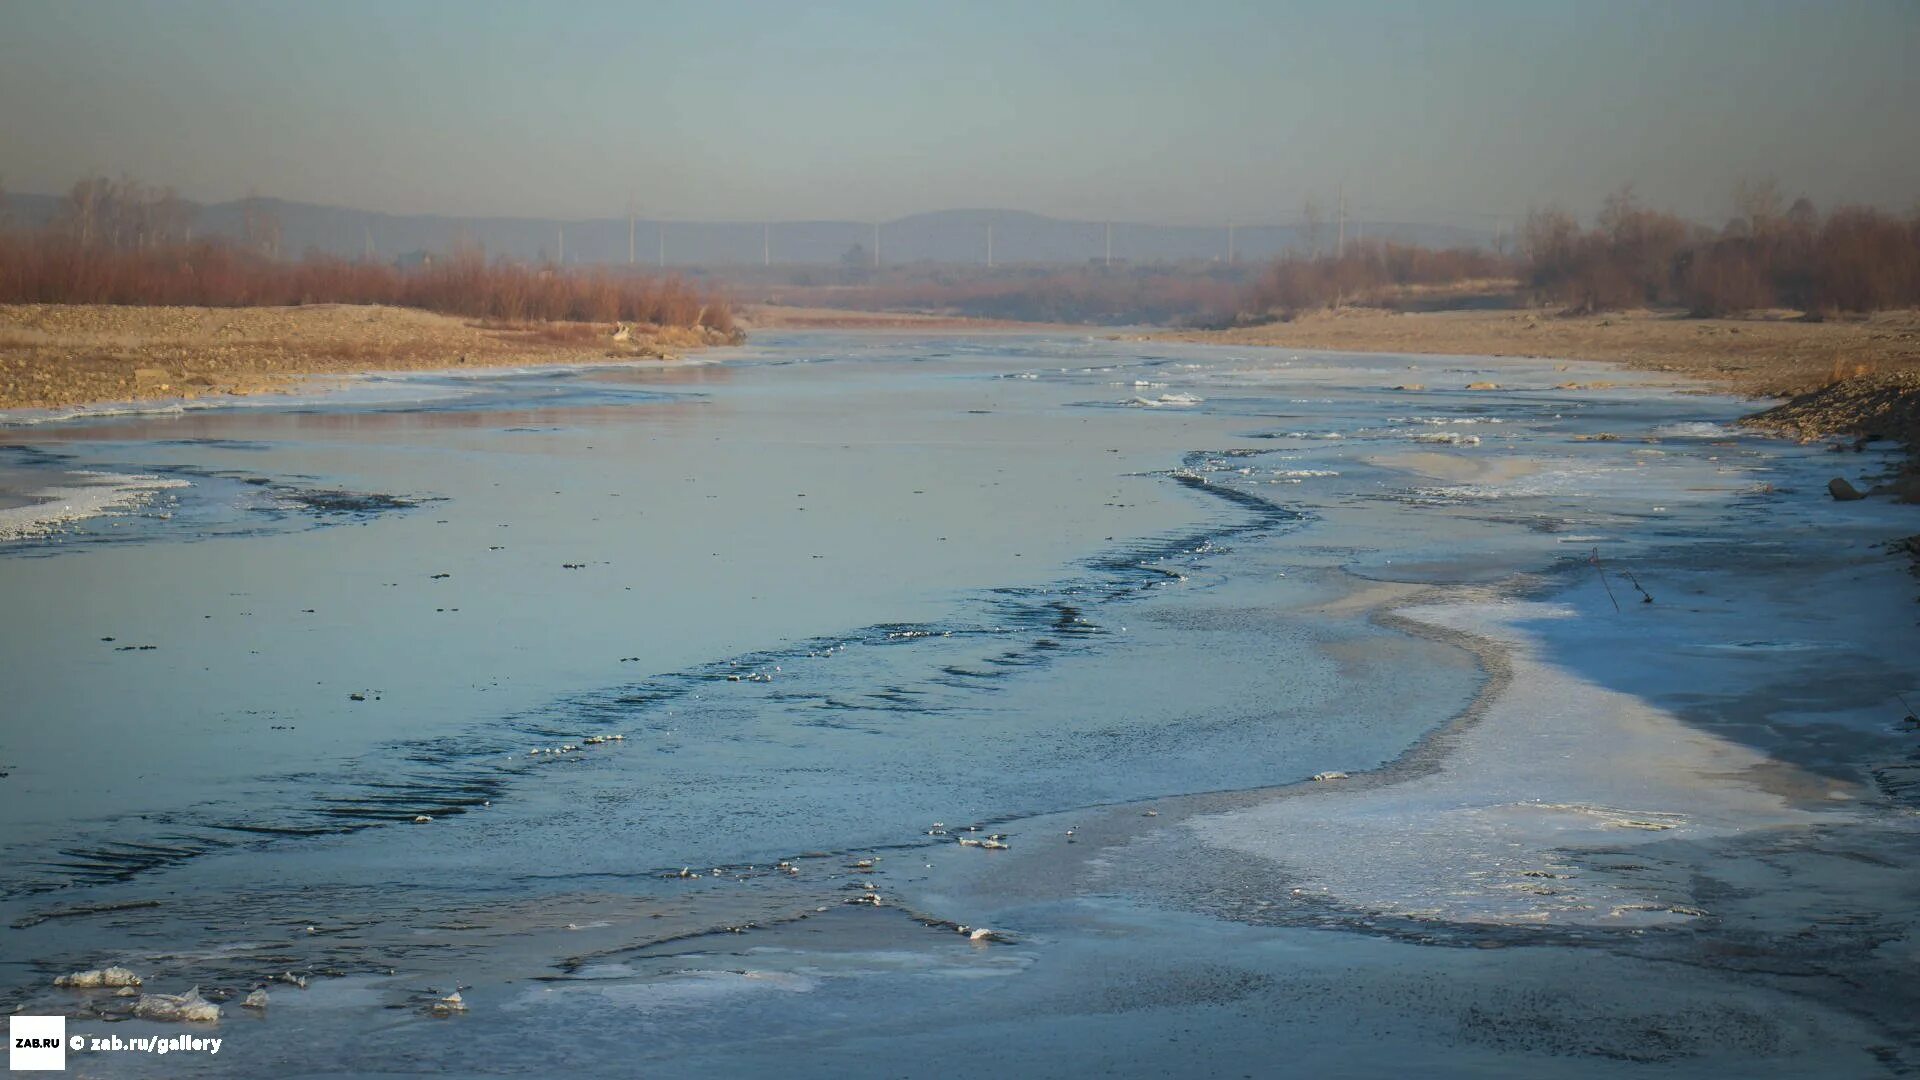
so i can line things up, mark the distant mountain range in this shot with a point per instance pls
(947, 236)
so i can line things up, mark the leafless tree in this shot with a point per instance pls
(1758, 201)
(123, 214)
(260, 226)
(82, 211)
(1618, 211)
(1548, 235)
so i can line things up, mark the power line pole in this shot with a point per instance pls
(1340, 245)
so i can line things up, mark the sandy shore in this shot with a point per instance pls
(54, 355)
(1764, 357)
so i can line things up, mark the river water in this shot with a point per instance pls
(614, 695)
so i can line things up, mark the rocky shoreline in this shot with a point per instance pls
(1867, 409)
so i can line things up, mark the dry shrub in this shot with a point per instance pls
(1630, 259)
(1856, 259)
(1725, 279)
(1364, 273)
(52, 268)
(1863, 260)
(1844, 369)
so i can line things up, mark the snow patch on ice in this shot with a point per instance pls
(102, 493)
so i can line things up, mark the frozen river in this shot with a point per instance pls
(675, 713)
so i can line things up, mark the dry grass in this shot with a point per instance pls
(55, 355)
(552, 333)
(1770, 357)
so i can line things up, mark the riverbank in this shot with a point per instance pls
(1764, 357)
(57, 355)
(1854, 379)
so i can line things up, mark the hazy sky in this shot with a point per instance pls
(1182, 111)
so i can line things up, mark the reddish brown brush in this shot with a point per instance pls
(55, 269)
(1856, 259)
